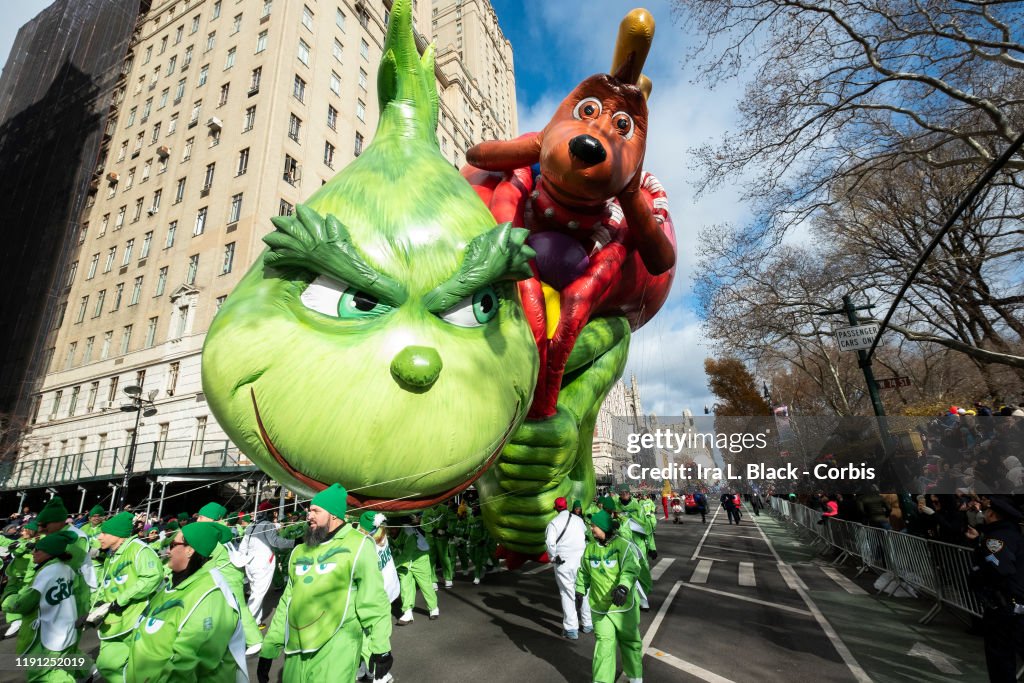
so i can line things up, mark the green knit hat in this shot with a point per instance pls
(602, 520)
(608, 503)
(214, 511)
(576, 504)
(369, 522)
(204, 536)
(247, 518)
(172, 525)
(119, 525)
(33, 525)
(182, 516)
(97, 510)
(334, 499)
(53, 511)
(56, 544)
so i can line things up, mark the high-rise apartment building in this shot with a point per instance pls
(55, 97)
(234, 111)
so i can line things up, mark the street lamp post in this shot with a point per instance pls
(140, 406)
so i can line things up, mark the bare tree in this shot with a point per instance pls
(847, 91)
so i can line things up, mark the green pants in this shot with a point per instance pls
(620, 629)
(419, 575)
(113, 657)
(460, 550)
(480, 554)
(337, 660)
(440, 554)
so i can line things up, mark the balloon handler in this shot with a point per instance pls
(334, 598)
(191, 630)
(609, 572)
(50, 606)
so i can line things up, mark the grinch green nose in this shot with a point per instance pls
(417, 366)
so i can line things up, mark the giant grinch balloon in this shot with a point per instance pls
(379, 342)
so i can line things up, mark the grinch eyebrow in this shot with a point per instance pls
(331, 553)
(309, 241)
(303, 560)
(500, 254)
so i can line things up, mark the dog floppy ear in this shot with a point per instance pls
(506, 155)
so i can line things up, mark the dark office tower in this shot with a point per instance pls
(58, 89)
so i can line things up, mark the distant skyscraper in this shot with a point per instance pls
(54, 101)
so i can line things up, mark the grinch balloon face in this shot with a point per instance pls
(379, 342)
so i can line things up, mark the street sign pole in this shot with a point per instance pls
(865, 364)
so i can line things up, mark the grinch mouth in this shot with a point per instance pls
(382, 504)
(299, 628)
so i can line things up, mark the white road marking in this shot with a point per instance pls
(728, 535)
(700, 574)
(844, 583)
(538, 570)
(856, 669)
(940, 660)
(689, 667)
(785, 608)
(662, 565)
(746, 574)
(738, 550)
(706, 531)
(653, 628)
(791, 578)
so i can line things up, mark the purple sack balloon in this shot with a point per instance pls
(560, 258)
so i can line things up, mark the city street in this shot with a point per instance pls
(731, 603)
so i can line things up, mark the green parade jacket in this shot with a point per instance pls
(129, 577)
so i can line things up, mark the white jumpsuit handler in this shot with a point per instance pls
(566, 539)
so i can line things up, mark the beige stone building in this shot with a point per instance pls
(229, 112)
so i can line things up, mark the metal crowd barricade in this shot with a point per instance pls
(937, 570)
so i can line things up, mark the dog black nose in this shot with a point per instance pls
(587, 149)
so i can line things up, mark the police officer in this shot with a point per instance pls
(998, 578)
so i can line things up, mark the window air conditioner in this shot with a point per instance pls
(152, 210)
(163, 151)
(214, 123)
(112, 176)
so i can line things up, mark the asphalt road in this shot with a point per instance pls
(730, 603)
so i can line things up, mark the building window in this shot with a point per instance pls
(339, 20)
(229, 255)
(216, 10)
(94, 263)
(362, 79)
(87, 354)
(283, 209)
(148, 163)
(193, 268)
(223, 94)
(250, 118)
(299, 89)
(187, 154)
(291, 170)
(63, 309)
(195, 24)
(151, 332)
(243, 162)
(70, 359)
(236, 24)
(329, 154)
(72, 271)
(229, 61)
(101, 297)
(172, 64)
(171, 229)
(303, 52)
(359, 144)
(172, 126)
(149, 55)
(172, 377)
(138, 209)
(161, 281)
(200, 226)
(179, 191)
(307, 17)
(208, 178)
(294, 126)
(128, 247)
(236, 209)
(108, 337)
(147, 242)
(118, 293)
(126, 339)
(211, 40)
(188, 58)
(220, 300)
(179, 32)
(364, 18)
(179, 91)
(90, 403)
(364, 49)
(130, 180)
(73, 404)
(360, 110)
(267, 4)
(165, 95)
(56, 404)
(82, 306)
(335, 83)
(156, 202)
(136, 291)
(204, 72)
(119, 221)
(103, 225)
(254, 80)
(332, 117)
(261, 41)
(111, 253)
(337, 50)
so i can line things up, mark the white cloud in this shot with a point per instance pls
(667, 356)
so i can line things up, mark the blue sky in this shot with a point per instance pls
(556, 45)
